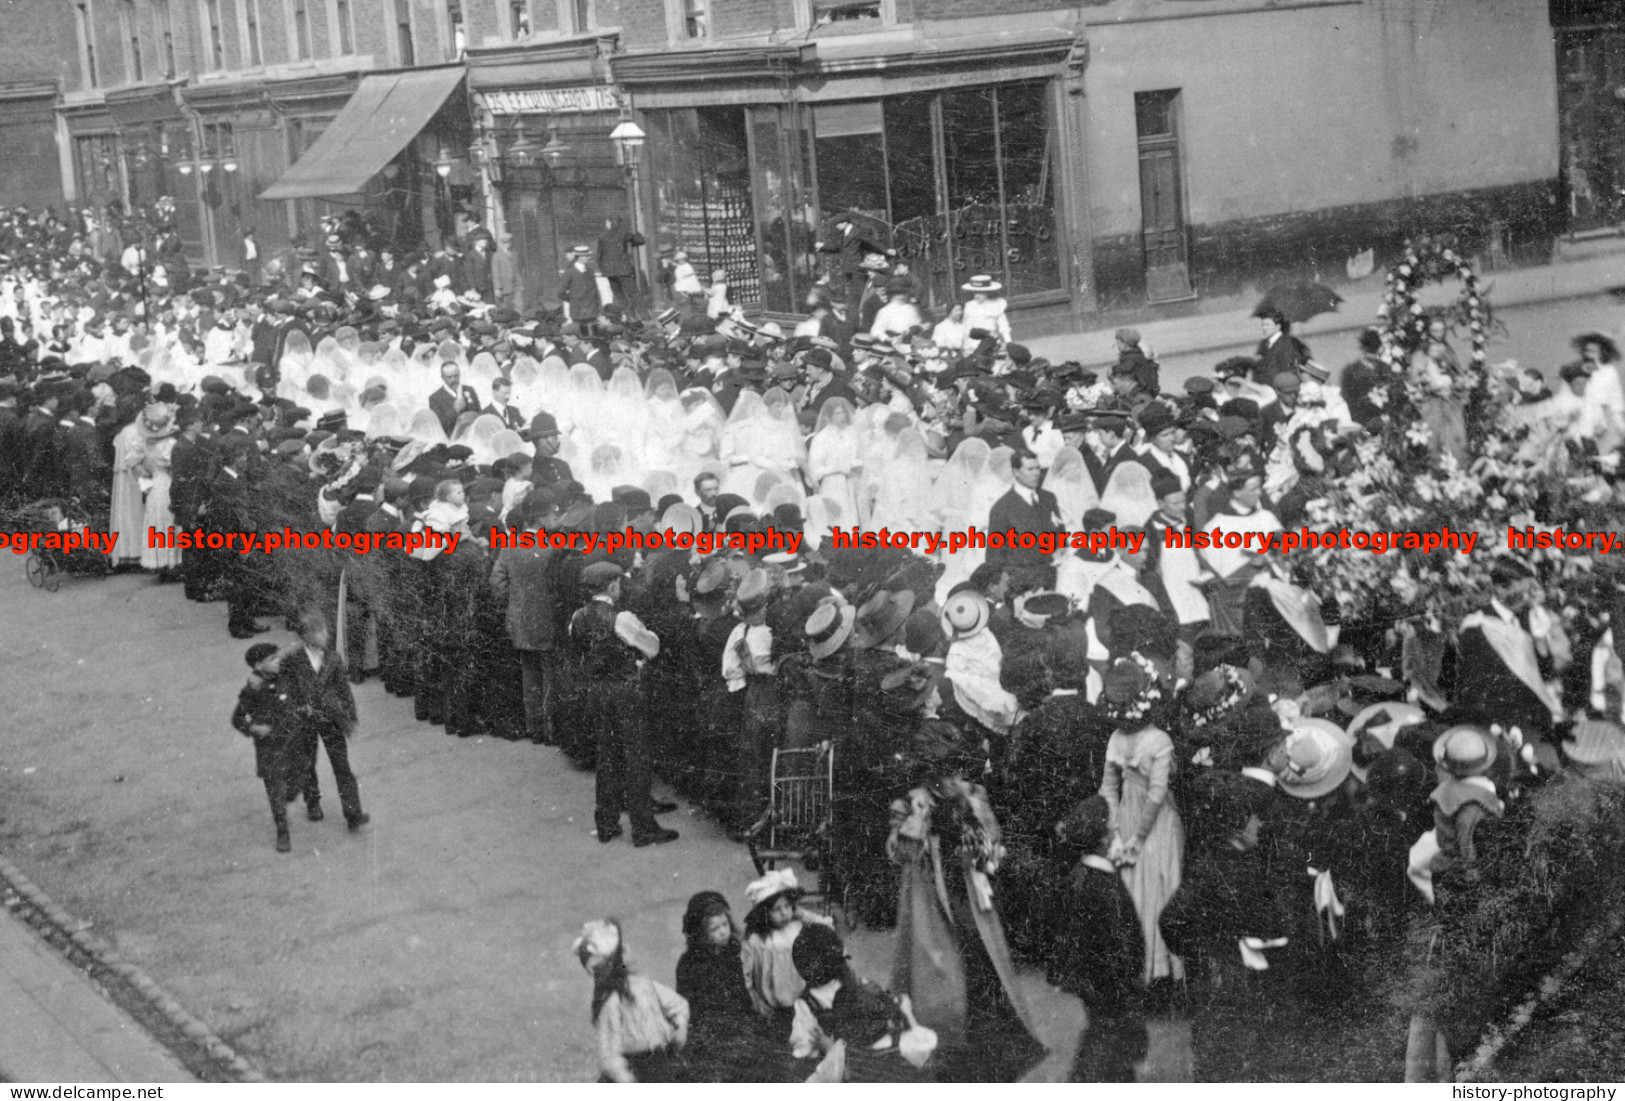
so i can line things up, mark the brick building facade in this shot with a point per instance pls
(1105, 154)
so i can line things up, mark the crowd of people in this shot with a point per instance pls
(1164, 767)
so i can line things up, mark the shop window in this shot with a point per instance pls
(850, 149)
(968, 181)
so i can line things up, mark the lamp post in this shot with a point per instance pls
(628, 138)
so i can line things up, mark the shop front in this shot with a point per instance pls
(957, 157)
(31, 170)
(548, 168)
(384, 148)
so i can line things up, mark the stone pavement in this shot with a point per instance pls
(57, 1026)
(1226, 327)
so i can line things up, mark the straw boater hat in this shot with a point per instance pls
(982, 284)
(1596, 742)
(965, 615)
(1465, 752)
(1315, 758)
(753, 592)
(828, 628)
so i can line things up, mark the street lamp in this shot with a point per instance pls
(555, 150)
(628, 138)
(442, 167)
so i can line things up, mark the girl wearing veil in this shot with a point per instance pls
(834, 460)
(1073, 486)
(385, 421)
(823, 515)
(607, 471)
(624, 415)
(663, 431)
(878, 431)
(784, 450)
(703, 425)
(903, 501)
(581, 414)
(425, 427)
(1128, 495)
(741, 443)
(482, 438)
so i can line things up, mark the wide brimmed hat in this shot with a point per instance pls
(681, 519)
(1314, 760)
(1595, 742)
(1465, 751)
(828, 628)
(1035, 610)
(1383, 721)
(158, 421)
(881, 617)
(754, 591)
(982, 284)
(965, 615)
(771, 886)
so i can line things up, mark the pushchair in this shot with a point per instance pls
(46, 566)
(796, 824)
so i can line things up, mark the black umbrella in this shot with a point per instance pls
(1299, 301)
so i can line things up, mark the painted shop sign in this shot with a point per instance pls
(593, 97)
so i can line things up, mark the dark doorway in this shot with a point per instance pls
(1162, 199)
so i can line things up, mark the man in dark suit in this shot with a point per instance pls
(501, 395)
(856, 248)
(89, 473)
(453, 399)
(582, 302)
(1025, 508)
(319, 694)
(823, 383)
(390, 603)
(11, 436)
(546, 469)
(520, 582)
(1279, 350)
(615, 261)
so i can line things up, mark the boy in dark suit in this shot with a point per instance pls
(264, 714)
(1102, 954)
(319, 693)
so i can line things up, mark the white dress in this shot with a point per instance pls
(158, 515)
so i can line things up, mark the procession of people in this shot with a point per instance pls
(1116, 760)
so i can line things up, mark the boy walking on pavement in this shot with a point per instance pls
(264, 714)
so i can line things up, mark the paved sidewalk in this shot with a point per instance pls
(1230, 326)
(57, 1026)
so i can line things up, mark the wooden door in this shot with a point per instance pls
(1162, 199)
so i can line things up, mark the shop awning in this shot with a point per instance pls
(385, 113)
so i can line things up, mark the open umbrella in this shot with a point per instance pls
(1299, 301)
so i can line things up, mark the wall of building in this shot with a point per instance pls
(1308, 134)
